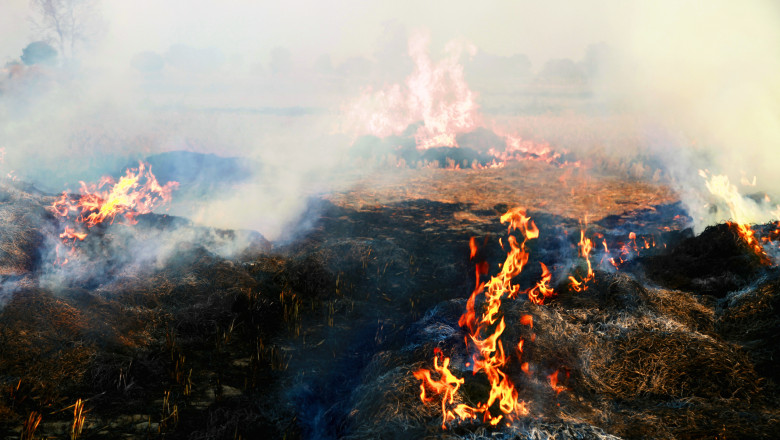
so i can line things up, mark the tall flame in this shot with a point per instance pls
(484, 332)
(585, 246)
(435, 93)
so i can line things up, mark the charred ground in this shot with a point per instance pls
(318, 337)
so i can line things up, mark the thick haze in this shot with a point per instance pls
(694, 84)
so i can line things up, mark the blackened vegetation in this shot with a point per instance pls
(319, 338)
(714, 263)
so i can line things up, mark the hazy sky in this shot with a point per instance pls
(344, 28)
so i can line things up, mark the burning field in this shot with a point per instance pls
(397, 315)
(424, 239)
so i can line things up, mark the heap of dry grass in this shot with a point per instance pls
(22, 217)
(642, 363)
(750, 318)
(42, 348)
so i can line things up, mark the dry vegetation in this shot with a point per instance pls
(318, 338)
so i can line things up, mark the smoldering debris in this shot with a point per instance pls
(715, 262)
(218, 333)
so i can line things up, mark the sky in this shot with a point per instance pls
(343, 29)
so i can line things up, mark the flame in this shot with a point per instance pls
(553, 378)
(720, 186)
(71, 233)
(435, 93)
(629, 248)
(137, 192)
(447, 385)
(585, 246)
(518, 148)
(127, 197)
(773, 235)
(542, 290)
(607, 253)
(485, 330)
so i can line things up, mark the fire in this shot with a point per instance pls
(542, 290)
(484, 332)
(773, 235)
(629, 248)
(447, 385)
(128, 198)
(585, 246)
(435, 93)
(748, 235)
(518, 148)
(553, 378)
(720, 186)
(137, 192)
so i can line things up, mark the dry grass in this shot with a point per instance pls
(249, 347)
(568, 191)
(640, 367)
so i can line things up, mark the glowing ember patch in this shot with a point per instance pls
(554, 383)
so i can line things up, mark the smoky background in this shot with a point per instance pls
(273, 95)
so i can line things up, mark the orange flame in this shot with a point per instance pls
(720, 186)
(436, 94)
(137, 192)
(554, 382)
(542, 290)
(71, 233)
(127, 198)
(748, 236)
(484, 333)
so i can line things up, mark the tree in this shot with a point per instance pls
(67, 23)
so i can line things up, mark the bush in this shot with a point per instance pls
(39, 52)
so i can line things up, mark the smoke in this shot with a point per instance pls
(703, 79)
(692, 85)
(434, 93)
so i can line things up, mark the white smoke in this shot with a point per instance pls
(704, 79)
